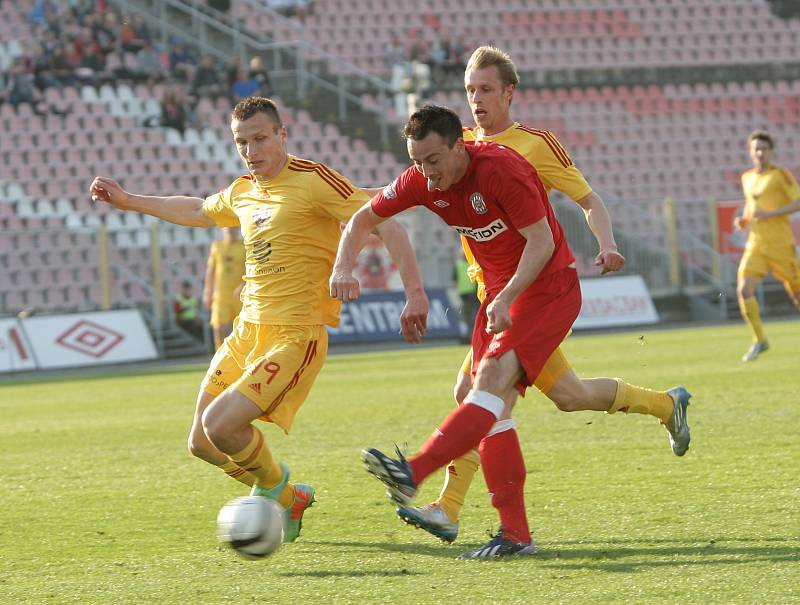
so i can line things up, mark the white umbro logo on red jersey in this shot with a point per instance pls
(441, 203)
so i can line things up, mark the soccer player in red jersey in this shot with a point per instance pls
(491, 81)
(495, 198)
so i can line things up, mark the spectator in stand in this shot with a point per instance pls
(133, 34)
(60, 67)
(438, 59)
(104, 31)
(420, 74)
(174, 113)
(82, 8)
(50, 42)
(149, 65)
(43, 76)
(187, 310)
(258, 72)
(182, 62)
(207, 82)
(244, 86)
(395, 51)
(19, 88)
(92, 69)
(43, 12)
(232, 72)
(457, 55)
(402, 77)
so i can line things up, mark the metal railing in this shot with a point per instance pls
(296, 63)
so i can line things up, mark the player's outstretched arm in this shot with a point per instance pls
(608, 259)
(181, 210)
(343, 285)
(414, 318)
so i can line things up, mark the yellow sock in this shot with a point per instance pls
(457, 481)
(257, 460)
(638, 400)
(751, 313)
(233, 471)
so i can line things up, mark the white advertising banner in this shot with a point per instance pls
(16, 353)
(615, 301)
(85, 339)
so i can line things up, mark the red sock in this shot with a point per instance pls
(504, 471)
(460, 432)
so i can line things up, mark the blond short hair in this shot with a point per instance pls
(486, 56)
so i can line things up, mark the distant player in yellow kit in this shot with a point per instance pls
(223, 284)
(771, 195)
(490, 81)
(290, 212)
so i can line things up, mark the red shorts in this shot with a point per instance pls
(541, 318)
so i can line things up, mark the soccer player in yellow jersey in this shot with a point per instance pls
(290, 212)
(223, 284)
(771, 195)
(490, 81)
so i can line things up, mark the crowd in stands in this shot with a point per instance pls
(418, 68)
(85, 42)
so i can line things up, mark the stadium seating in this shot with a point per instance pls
(549, 35)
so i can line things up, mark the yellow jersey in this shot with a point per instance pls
(769, 190)
(227, 259)
(291, 227)
(552, 162)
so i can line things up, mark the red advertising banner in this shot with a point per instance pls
(731, 241)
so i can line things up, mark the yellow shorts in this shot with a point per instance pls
(782, 262)
(273, 366)
(553, 369)
(223, 313)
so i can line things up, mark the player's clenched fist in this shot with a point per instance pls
(344, 286)
(609, 261)
(414, 318)
(104, 189)
(498, 316)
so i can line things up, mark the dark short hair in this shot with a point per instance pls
(247, 108)
(434, 118)
(761, 135)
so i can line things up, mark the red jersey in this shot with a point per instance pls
(499, 194)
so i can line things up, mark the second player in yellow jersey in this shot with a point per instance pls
(771, 196)
(223, 283)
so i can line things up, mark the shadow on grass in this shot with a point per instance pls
(615, 556)
(350, 574)
(433, 550)
(635, 555)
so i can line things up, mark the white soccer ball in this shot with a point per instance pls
(252, 526)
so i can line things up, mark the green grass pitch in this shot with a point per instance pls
(102, 504)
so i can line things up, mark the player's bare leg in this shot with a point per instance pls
(227, 423)
(751, 313)
(201, 447)
(572, 394)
